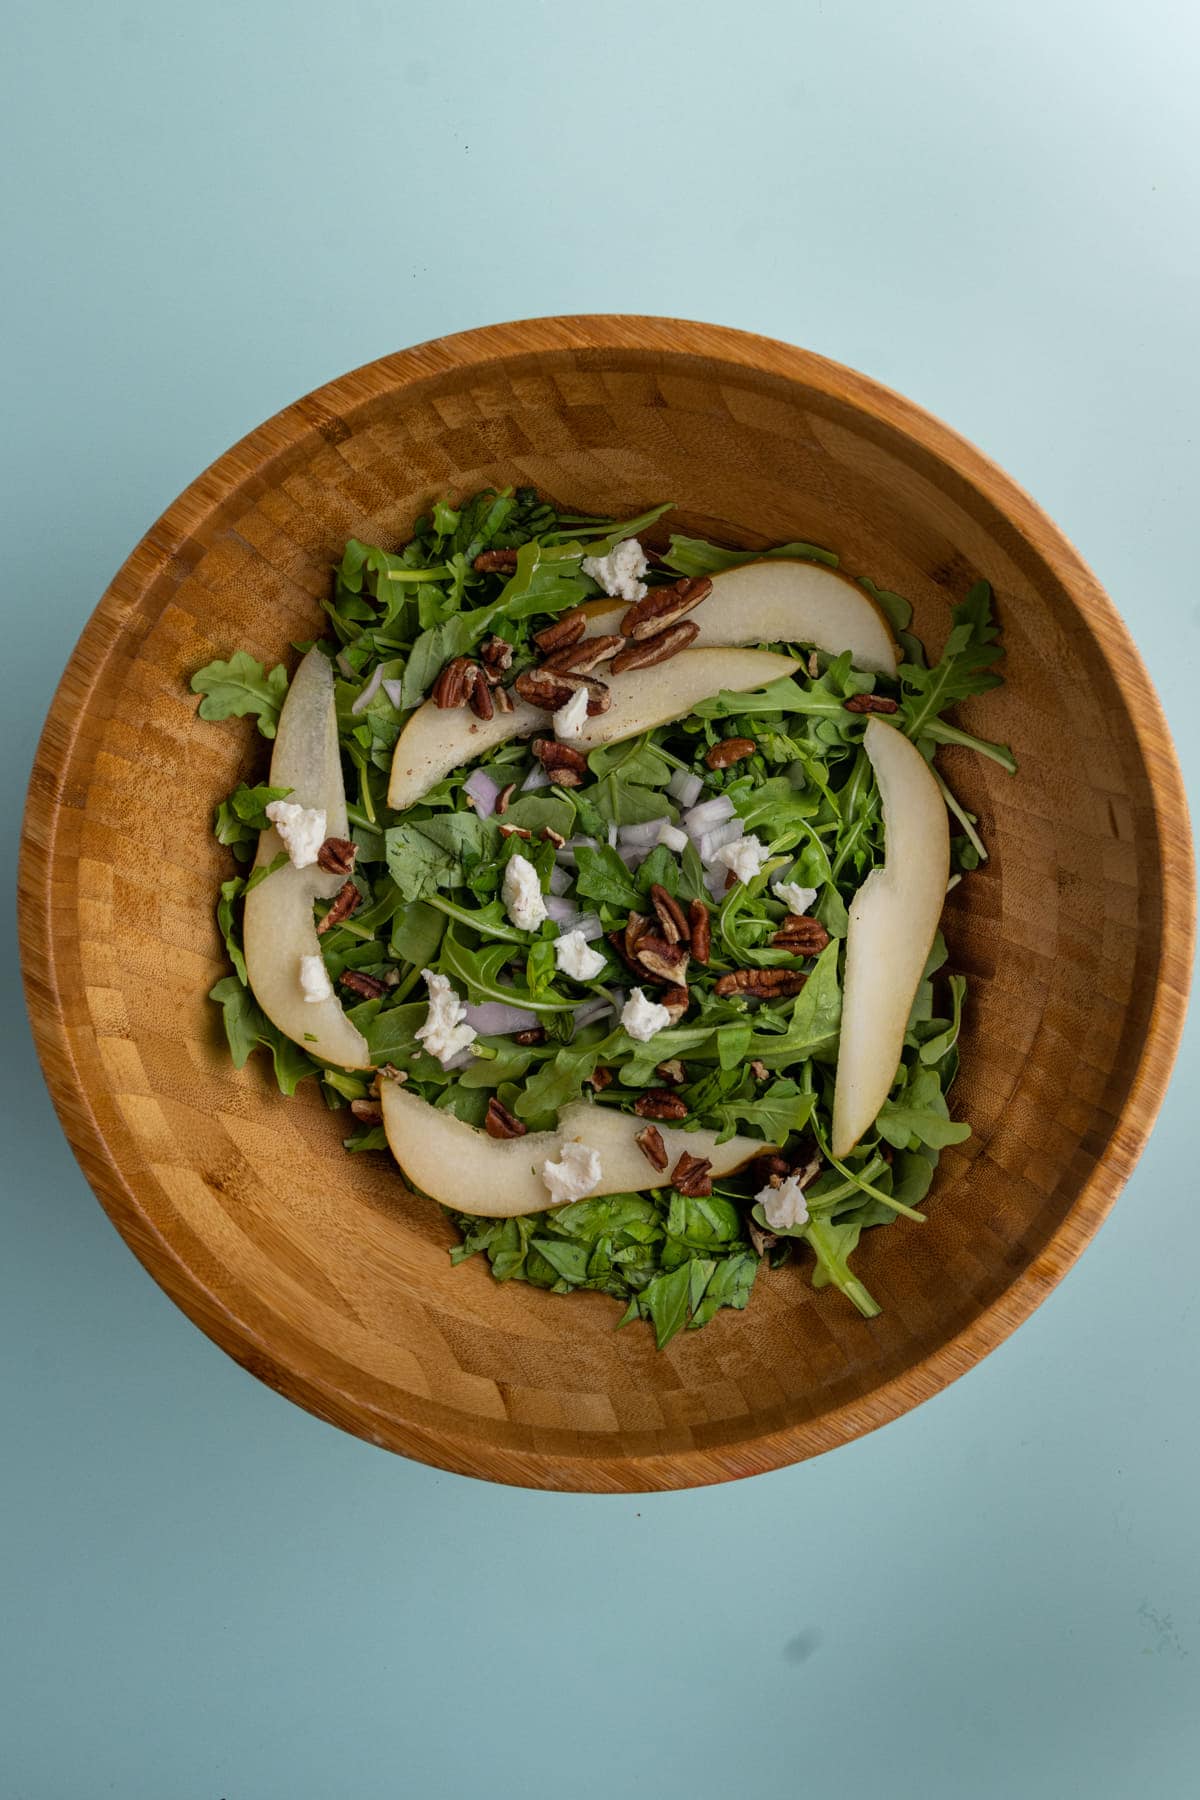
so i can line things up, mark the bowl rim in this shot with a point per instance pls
(320, 415)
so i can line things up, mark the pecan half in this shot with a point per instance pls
(450, 688)
(564, 764)
(599, 1079)
(671, 915)
(617, 940)
(366, 1112)
(498, 1122)
(479, 694)
(550, 689)
(568, 628)
(871, 703)
(658, 649)
(496, 654)
(650, 1142)
(692, 1175)
(658, 1104)
(582, 658)
(503, 798)
(802, 935)
(365, 986)
(672, 1071)
(700, 930)
(664, 606)
(666, 962)
(636, 927)
(770, 1169)
(342, 905)
(760, 984)
(337, 856)
(533, 1034)
(489, 560)
(676, 1000)
(729, 751)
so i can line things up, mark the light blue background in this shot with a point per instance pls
(213, 207)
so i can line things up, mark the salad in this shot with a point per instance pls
(601, 883)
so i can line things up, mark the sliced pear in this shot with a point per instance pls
(782, 600)
(435, 741)
(462, 1167)
(893, 919)
(279, 927)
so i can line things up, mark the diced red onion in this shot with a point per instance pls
(561, 881)
(369, 692)
(718, 837)
(707, 814)
(395, 693)
(536, 778)
(494, 1019)
(685, 787)
(591, 1010)
(480, 788)
(632, 855)
(672, 837)
(612, 837)
(642, 836)
(714, 881)
(567, 919)
(460, 1061)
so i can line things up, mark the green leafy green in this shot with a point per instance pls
(239, 686)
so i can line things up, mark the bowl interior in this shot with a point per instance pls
(318, 1270)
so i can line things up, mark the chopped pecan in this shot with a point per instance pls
(564, 764)
(503, 700)
(503, 798)
(760, 984)
(664, 606)
(658, 649)
(550, 689)
(671, 915)
(498, 1122)
(366, 1112)
(342, 905)
(479, 694)
(582, 658)
(676, 1000)
(389, 1072)
(650, 1142)
(450, 688)
(728, 751)
(496, 654)
(666, 962)
(600, 1079)
(617, 940)
(521, 831)
(568, 628)
(759, 1070)
(700, 930)
(770, 1170)
(730, 878)
(490, 560)
(760, 1239)
(871, 703)
(533, 1034)
(658, 1104)
(365, 986)
(337, 856)
(802, 935)
(550, 836)
(813, 665)
(692, 1175)
(672, 1071)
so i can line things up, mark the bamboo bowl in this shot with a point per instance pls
(319, 1272)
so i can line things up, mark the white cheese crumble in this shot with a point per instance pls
(784, 1206)
(444, 1033)
(570, 719)
(314, 979)
(575, 956)
(672, 837)
(576, 1173)
(745, 857)
(795, 898)
(302, 829)
(522, 892)
(619, 573)
(643, 1018)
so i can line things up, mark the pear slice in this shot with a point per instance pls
(893, 919)
(782, 600)
(435, 741)
(463, 1167)
(279, 927)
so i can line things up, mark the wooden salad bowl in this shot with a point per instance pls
(320, 1272)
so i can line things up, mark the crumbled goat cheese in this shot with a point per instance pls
(302, 829)
(576, 1173)
(522, 893)
(570, 719)
(314, 979)
(796, 899)
(785, 1205)
(575, 956)
(673, 837)
(745, 857)
(444, 1033)
(643, 1018)
(619, 572)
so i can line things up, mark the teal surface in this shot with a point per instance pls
(210, 209)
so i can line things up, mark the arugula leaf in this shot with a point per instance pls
(239, 686)
(966, 667)
(780, 1111)
(919, 1115)
(696, 556)
(603, 876)
(247, 1026)
(242, 815)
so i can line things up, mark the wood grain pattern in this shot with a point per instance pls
(318, 1271)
